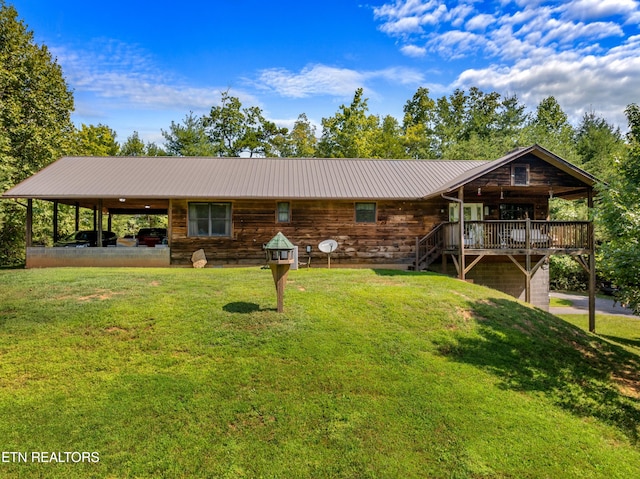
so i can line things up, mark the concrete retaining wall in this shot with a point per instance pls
(41, 257)
(505, 276)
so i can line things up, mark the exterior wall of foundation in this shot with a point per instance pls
(503, 275)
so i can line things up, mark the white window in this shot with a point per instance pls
(209, 219)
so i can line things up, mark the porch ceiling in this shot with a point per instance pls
(514, 192)
(116, 206)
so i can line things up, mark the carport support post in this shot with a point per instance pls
(592, 267)
(99, 234)
(77, 216)
(55, 221)
(461, 273)
(29, 224)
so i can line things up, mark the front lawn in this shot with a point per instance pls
(367, 374)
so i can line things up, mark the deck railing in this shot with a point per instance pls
(518, 235)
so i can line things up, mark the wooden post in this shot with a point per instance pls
(99, 228)
(417, 262)
(461, 273)
(29, 224)
(592, 266)
(77, 216)
(280, 272)
(527, 280)
(55, 221)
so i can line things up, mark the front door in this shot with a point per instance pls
(473, 233)
(472, 212)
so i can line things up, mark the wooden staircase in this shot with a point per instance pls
(428, 249)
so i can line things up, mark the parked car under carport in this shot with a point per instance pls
(83, 239)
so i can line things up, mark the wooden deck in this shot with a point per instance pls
(509, 238)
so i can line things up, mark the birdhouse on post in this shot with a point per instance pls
(280, 258)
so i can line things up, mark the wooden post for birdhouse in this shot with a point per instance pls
(280, 254)
(280, 272)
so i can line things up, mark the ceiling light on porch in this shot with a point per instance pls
(479, 191)
(501, 194)
(147, 206)
(122, 200)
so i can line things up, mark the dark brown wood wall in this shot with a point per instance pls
(541, 174)
(390, 240)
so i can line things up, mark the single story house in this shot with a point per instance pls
(383, 213)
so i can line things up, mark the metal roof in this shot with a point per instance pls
(195, 177)
(73, 178)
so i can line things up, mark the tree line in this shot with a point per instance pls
(36, 129)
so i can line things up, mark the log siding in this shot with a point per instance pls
(390, 239)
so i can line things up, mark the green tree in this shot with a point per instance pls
(151, 149)
(418, 125)
(35, 124)
(225, 126)
(351, 132)
(302, 138)
(599, 146)
(449, 122)
(189, 138)
(619, 213)
(260, 137)
(550, 128)
(134, 146)
(233, 130)
(477, 125)
(511, 121)
(95, 140)
(390, 141)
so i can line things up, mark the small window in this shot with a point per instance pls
(284, 212)
(520, 175)
(209, 219)
(365, 212)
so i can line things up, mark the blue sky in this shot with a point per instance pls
(138, 65)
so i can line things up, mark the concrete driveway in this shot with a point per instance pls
(581, 305)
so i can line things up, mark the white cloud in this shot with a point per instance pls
(311, 80)
(409, 16)
(586, 53)
(327, 80)
(606, 83)
(480, 22)
(596, 9)
(413, 51)
(129, 78)
(453, 29)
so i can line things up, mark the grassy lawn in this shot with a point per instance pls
(367, 374)
(619, 330)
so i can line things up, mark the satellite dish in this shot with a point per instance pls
(328, 246)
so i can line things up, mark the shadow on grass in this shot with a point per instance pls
(397, 272)
(244, 307)
(634, 343)
(530, 350)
